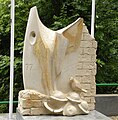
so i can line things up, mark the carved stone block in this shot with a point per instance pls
(58, 69)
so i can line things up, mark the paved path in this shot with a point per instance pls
(4, 116)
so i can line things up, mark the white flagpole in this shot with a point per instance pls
(11, 60)
(93, 18)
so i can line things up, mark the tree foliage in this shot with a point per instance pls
(107, 37)
(57, 14)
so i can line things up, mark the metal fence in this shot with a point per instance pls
(98, 84)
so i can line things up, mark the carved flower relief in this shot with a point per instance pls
(70, 104)
(75, 105)
(57, 102)
(75, 109)
(70, 109)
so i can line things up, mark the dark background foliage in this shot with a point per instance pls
(56, 14)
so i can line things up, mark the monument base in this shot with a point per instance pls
(93, 115)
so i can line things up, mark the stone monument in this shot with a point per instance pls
(59, 69)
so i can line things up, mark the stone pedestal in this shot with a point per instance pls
(107, 104)
(93, 115)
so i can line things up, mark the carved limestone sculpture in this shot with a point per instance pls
(50, 70)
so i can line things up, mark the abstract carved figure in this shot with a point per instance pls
(50, 66)
(45, 51)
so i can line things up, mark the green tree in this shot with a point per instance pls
(107, 37)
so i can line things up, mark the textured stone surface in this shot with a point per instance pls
(107, 104)
(94, 115)
(114, 117)
(29, 106)
(87, 70)
(39, 111)
(5, 116)
(31, 102)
